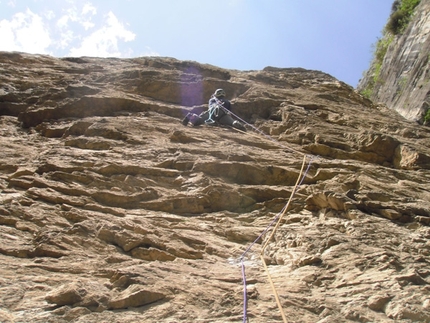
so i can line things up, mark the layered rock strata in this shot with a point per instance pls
(112, 211)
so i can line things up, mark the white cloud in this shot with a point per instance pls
(25, 32)
(66, 37)
(104, 41)
(83, 18)
(49, 15)
(89, 8)
(70, 15)
(63, 22)
(87, 24)
(66, 27)
(74, 31)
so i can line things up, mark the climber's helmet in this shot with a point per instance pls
(219, 93)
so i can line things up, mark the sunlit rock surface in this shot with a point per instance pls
(402, 79)
(112, 211)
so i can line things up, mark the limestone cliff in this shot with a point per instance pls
(399, 75)
(112, 211)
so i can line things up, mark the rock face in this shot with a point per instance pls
(112, 211)
(404, 76)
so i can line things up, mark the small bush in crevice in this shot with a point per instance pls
(427, 117)
(396, 23)
(400, 17)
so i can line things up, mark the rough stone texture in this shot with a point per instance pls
(404, 82)
(112, 211)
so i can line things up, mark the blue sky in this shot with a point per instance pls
(333, 36)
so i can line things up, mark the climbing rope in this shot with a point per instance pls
(214, 110)
(219, 103)
(288, 203)
(277, 219)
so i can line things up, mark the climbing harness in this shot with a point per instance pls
(214, 111)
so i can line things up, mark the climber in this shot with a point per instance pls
(219, 112)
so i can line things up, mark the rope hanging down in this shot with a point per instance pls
(277, 219)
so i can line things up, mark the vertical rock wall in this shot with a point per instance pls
(403, 83)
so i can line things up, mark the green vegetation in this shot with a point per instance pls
(401, 15)
(427, 117)
(402, 11)
(367, 93)
(380, 51)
